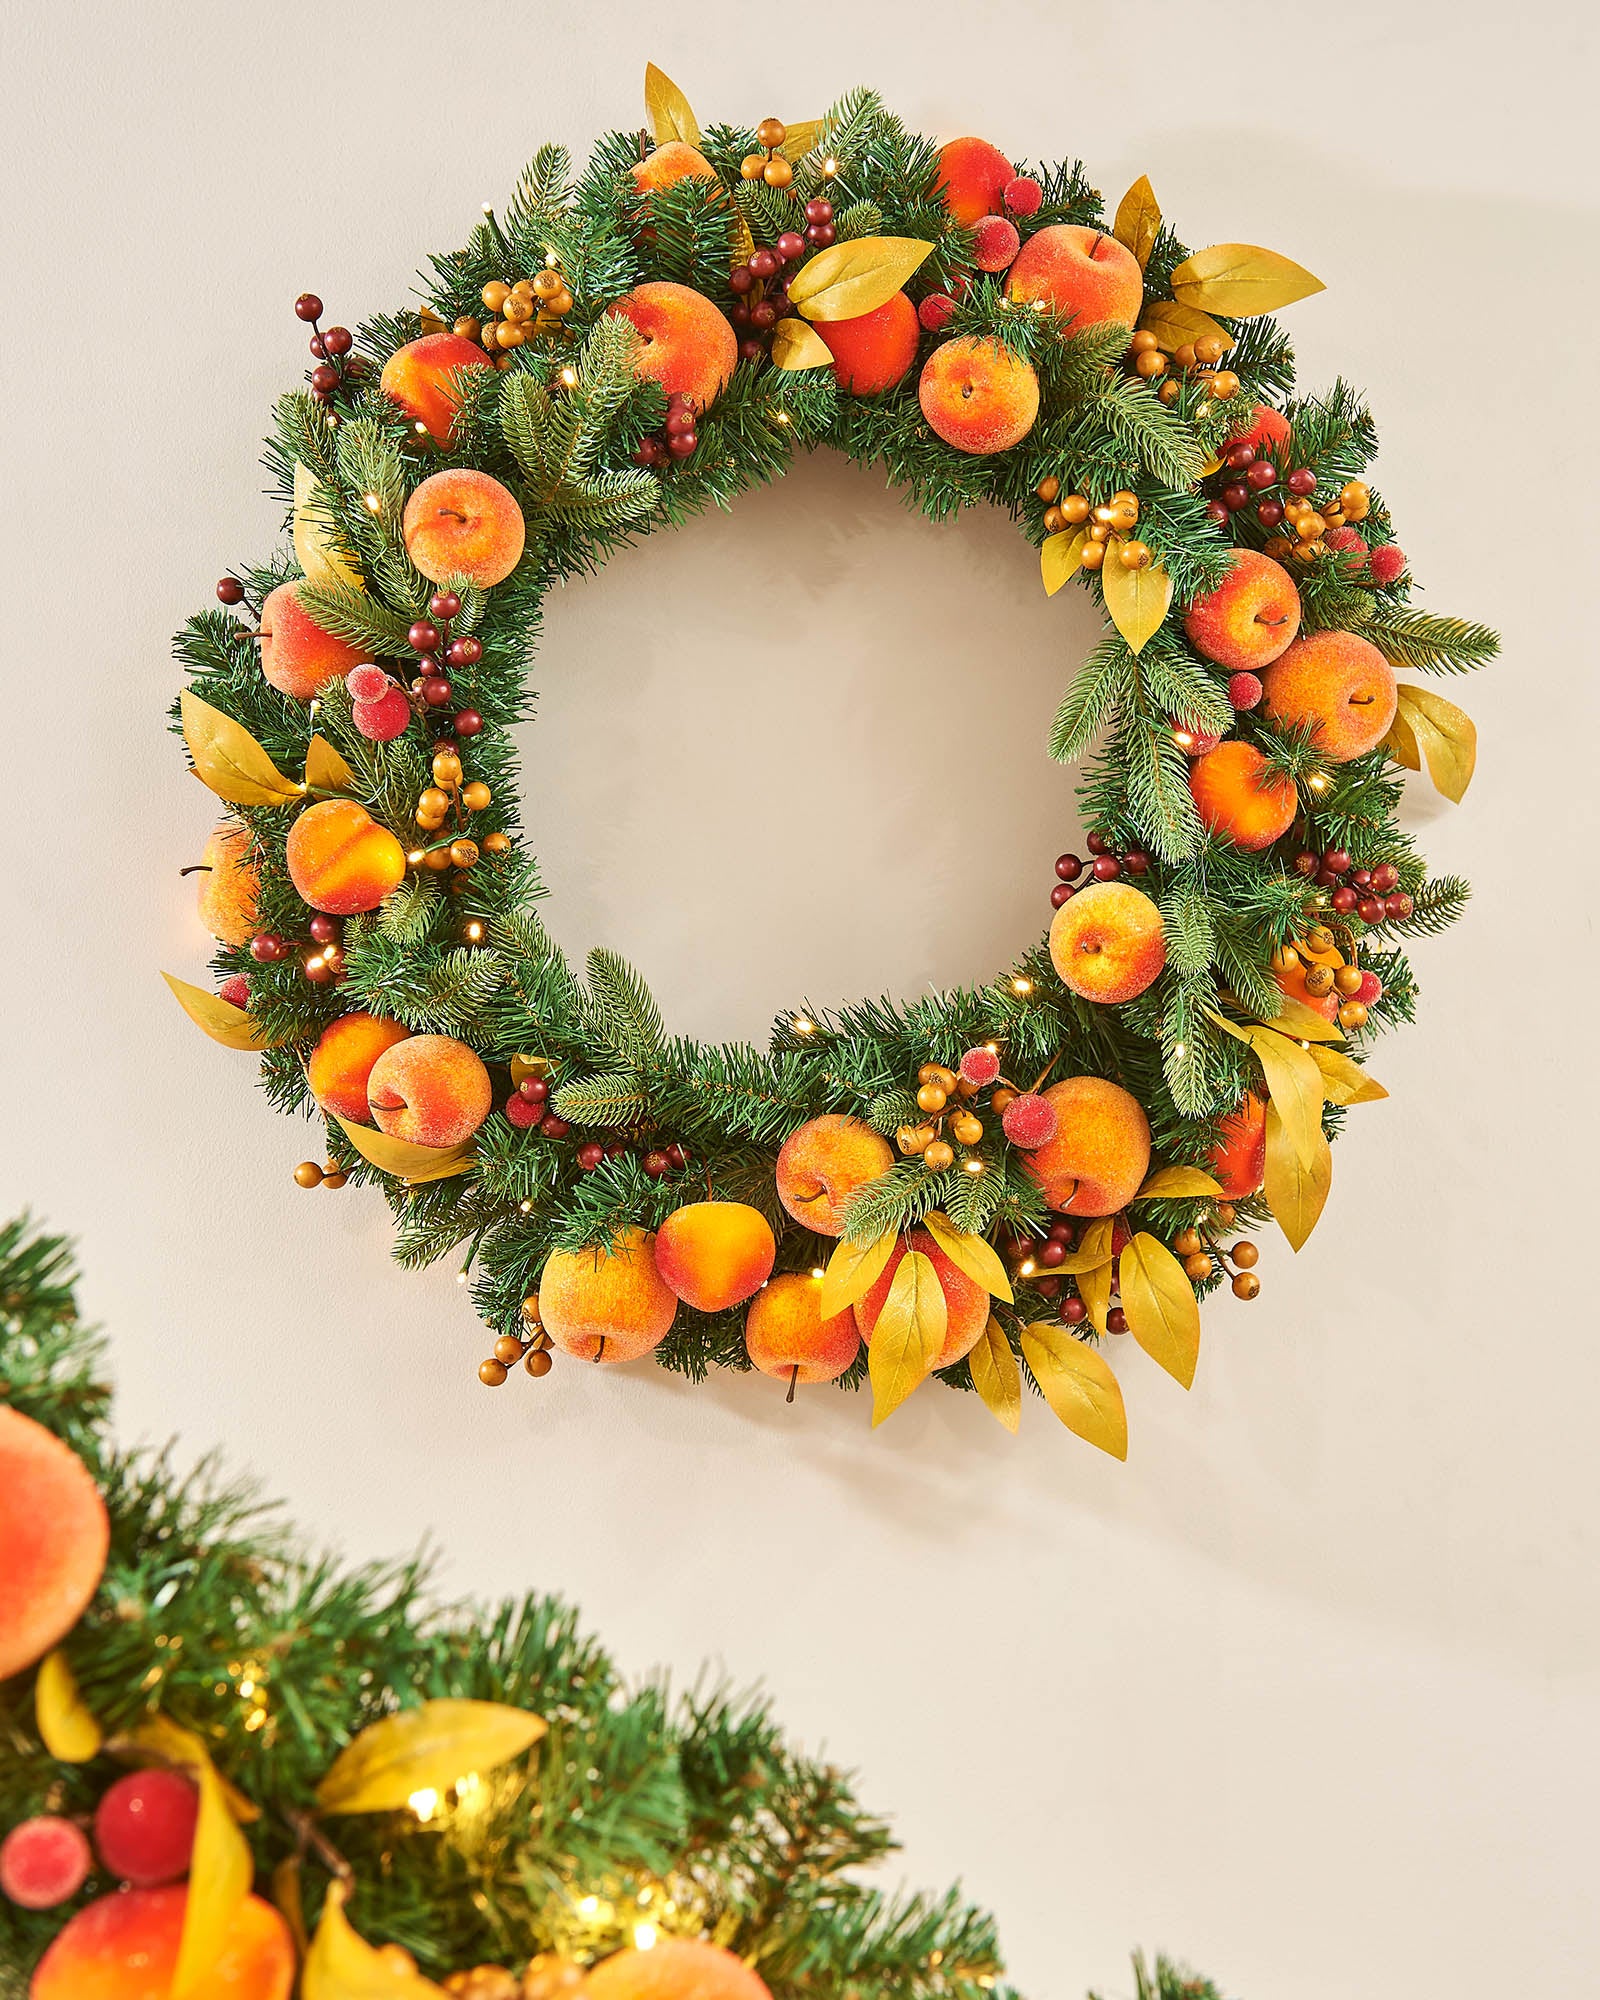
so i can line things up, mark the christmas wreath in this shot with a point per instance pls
(979, 1184)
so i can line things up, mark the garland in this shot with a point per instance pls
(979, 1184)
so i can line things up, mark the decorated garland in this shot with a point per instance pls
(293, 1771)
(979, 1184)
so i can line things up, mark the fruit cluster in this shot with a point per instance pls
(677, 437)
(331, 348)
(514, 313)
(1314, 969)
(937, 1086)
(760, 285)
(769, 165)
(1107, 863)
(1193, 361)
(1372, 894)
(1112, 522)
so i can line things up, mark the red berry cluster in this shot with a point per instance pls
(324, 966)
(1372, 894)
(677, 437)
(760, 284)
(429, 638)
(1247, 477)
(143, 1834)
(331, 346)
(528, 1108)
(1034, 1262)
(1106, 866)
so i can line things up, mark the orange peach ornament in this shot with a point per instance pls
(715, 1254)
(1107, 942)
(686, 344)
(966, 1303)
(785, 1334)
(430, 1090)
(1238, 794)
(1247, 621)
(418, 377)
(1342, 684)
(674, 1969)
(340, 859)
(463, 523)
(875, 350)
(973, 176)
(1081, 272)
(342, 1061)
(230, 884)
(1292, 983)
(125, 1947)
(54, 1534)
(1266, 432)
(1100, 1155)
(669, 164)
(1239, 1158)
(606, 1304)
(297, 656)
(978, 395)
(821, 1166)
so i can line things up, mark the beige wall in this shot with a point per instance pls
(1307, 1688)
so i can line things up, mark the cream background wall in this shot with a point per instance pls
(1307, 1689)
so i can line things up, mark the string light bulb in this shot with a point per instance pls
(1022, 985)
(974, 1165)
(373, 503)
(803, 1025)
(424, 1804)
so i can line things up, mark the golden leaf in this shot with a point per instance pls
(1060, 555)
(803, 137)
(1300, 1023)
(221, 1870)
(1295, 1189)
(1401, 742)
(1077, 1262)
(796, 345)
(853, 1270)
(425, 1749)
(668, 109)
(1137, 599)
(341, 1965)
(1177, 325)
(230, 760)
(1294, 1084)
(1168, 1183)
(218, 1018)
(67, 1728)
(908, 1336)
(996, 1376)
(1076, 1381)
(1444, 734)
(1138, 220)
(1094, 1278)
(157, 1739)
(287, 1895)
(326, 770)
(1163, 1312)
(1345, 1082)
(316, 551)
(970, 1254)
(850, 279)
(1241, 280)
(522, 1067)
(406, 1161)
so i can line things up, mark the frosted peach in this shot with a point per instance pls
(977, 395)
(1342, 684)
(125, 1947)
(429, 1089)
(342, 1060)
(1238, 1160)
(686, 344)
(1079, 271)
(714, 1254)
(54, 1533)
(1107, 942)
(966, 1303)
(230, 884)
(418, 377)
(674, 1969)
(785, 1334)
(1238, 794)
(1100, 1155)
(1266, 432)
(297, 656)
(972, 179)
(606, 1304)
(1247, 621)
(340, 859)
(821, 1166)
(669, 164)
(875, 350)
(463, 523)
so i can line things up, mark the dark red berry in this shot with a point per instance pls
(764, 263)
(1098, 844)
(424, 637)
(444, 604)
(1399, 905)
(1344, 901)
(521, 1113)
(820, 234)
(790, 245)
(1306, 864)
(468, 722)
(750, 349)
(464, 652)
(1073, 1310)
(1336, 860)
(1106, 868)
(266, 948)
(1261, 475)
(1370, 910)
(1216, 512)
(1238, 456)
(683, 445)
(1302, 481)
(325, 379)
(1052, 1253)
(1136, 861)
(677, 1158)
(649, 451)
(338, 340)
(1068, 867)
(1385, 878)
(1236, 497)
(741, 280)
(1063, 892)
(1116, 1320)
(591, 1155)
(324, 929)
(308, 306)
(818, 210)
(655, 1165)
(1362, 878)
(1269, 513)
(764, 313)
(436, 690)
(679, 422)
(230, 590)
(553, 1126)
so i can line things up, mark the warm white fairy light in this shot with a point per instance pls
(1026, 1268)
(424, 1803)
(589, 1906)
(373, 503)
(803, 1025)
(817, 1271)
(552, 259)
(1022, 985)
(569, 378)
(830, 166)
(462, 1275)
(974, 1166)
(1180, 1050)
(644, 1936)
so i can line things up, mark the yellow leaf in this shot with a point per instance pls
(425, 1749)
(853, 278)
(315, 548)
(326, 770)
(668, 109)
(996, 1376)
(796, 345)
(908, 1336)
(522, 1067)
(1137, 599)
(1241, 280)
(1401, 742)
(1168, 1183)
(67, 1728)
(970, 1254)
(1444, 734)
(217, 1017)
(1177, 325)
(230, 760)
(853, 1270)
(1294, 1084)
(1344, 1081)
(286, 1893)
(406, 1161)
(1163, 1312)
(1060, 555)
(1295, 1189)
(803, 137)
(1077, 1262)
(221, 1870)
(1076, 1381)
(1094, 1278)
(1302, 1023)
(1138, 220)
(157, 1739)
(341, 1965)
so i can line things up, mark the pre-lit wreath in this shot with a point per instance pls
(978, 1184)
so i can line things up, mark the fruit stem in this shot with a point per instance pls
(794, 1376)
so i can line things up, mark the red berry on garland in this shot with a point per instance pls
(1345, 900)
(1302, 481)
(1370, 910)
(367, 683)
(1387, 563)
(936, 311)
(1370, 991)
(742, 280)
(1073, 1310)
(1385, 877)
(308, 307)
(1269, 513)
(1236, 497)
(1098, 844)
(1398, 906)
(591, 1155)
(764, 263)
(266, 948)
(1063, 892)
(995, 243)
(1052, 1253)
(553, 1127)
(1136, 861)
(44, 1862)
(444, 604)
(1346, 541)
(1029, 1121)
(1244, 691)
(1192, 740)
(435, 690)
(464, 652)
(751, 349)
(656, 1164)
(820, 235)
(790, 246)
(325, 379)
(649, 450)
(534, 1088)
(521, 1113)
(468, 722)
(382, 721)
(230, 590)
(1022, 196)
(424, 637)
(324, 929)
(1337, 861)
(980, 1066)
(144, 1827)
(337, 340)
(677, 1158)
(1216, 513)
(1068, 867)
(1116, 1320)
(683, 445)
(1262, 474)
(1106, 868)
(819, 210)
(1238, 456)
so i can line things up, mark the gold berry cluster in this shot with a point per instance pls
(1115, 519)
(1195, 361)
(1325, 970)
(531, 1347)
(768, 165)
(309, 1175)
(1308, 523)
(937, 1086)
(548, 1977)
(1201, 1253)
(443, 808)
(516, 313)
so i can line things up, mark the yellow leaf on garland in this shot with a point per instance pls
(1296, 1190)
(522, 1067)
(316, 551)
(1138, 220)
(1445, 735)
(425, 1749)
(1076, 1381)
(1094, 1277)
(996, 1376)
(1175, 1183)
(230, 760)
(411, 1163)
(341, 1965)
(1302, 1023)
(1401, 742)
(803, 137)
(1060, 555)
(908, 1336)
(849, 279)
(853, 1270)
(1294, 1084)
(221, 1871)
(1177, 325)
(1137, 599)
(796, 345)
(326, 770)
(1163, 1312)
(66, 1724)
(1241, 280)
(218, 1018)
(970, 1254)
(1344, 1081)
(668, 109)
(1077, 1262)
